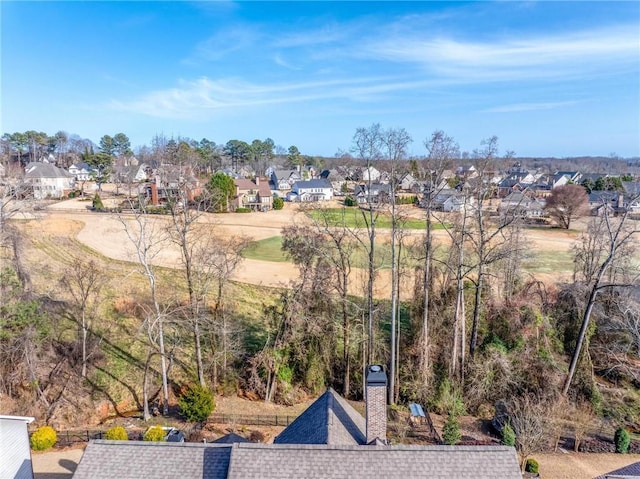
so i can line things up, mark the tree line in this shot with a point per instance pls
(462, 323)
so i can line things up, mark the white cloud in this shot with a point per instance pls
(553, 56)
(202, 97)
(516, 107)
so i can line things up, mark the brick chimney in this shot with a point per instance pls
(257, 180)
(376, 403)
(155, 201)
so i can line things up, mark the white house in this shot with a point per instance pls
(48, 181)
(369, 174)
(312, 190)
(407, 181)
(82, 171)
(283, 180)
(15, 453)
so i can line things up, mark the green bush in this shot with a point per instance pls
(116, 433)
(531, 466)
(43, 438)
(622, 440)
(508, 435)
(243, 210)
(278, 203)
(196, 404)
(350, 201)
(451, 430)
(154, 434)
(97, 203)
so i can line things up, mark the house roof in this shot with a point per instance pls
(285, 174)
(245, 185)
(45, 170)
(139, 459)
(315, 183)
(230, 439)
(329, 420)
(355, 462)
(632, 470)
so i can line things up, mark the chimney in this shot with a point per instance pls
(376, 403)
(257, 180)
(155, 201)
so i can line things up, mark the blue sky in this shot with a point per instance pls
(549, 79)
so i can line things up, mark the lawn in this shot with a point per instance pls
(549, 262)
(541, 261)
(353, 218)
(270, 249)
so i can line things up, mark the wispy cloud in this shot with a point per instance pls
(553, 56)
(330, 33)
(279, 60)
(224, 43)
(517, 107)
(204, 97)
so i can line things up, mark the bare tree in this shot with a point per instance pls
(528, 419)
(338, 250)
(148, 237)
(367, 144)
(83, 280)
(566, 203)
(442, 150)
(395, 143)
(218, 259)
(619, 233)
(489, 238)
(187, 233)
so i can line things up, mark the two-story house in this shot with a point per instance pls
(255, 195)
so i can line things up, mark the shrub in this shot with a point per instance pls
(451, 430)
(531, 466)
(97, 203)
(508, 435)
(622, 440)
(278, 203)
(350, 201)
(243, 210)
(154, 434)
(116, 433)
(43, 438)
(196, 404)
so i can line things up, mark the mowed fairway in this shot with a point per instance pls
(548, 258)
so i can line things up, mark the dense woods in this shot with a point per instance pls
(462, 320)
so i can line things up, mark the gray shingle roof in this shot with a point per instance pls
(133, 459)
(139, 459)
(257, 461)
(45, 170)
(329, 420)
(230, 439)
(314, 183)
(632, 470)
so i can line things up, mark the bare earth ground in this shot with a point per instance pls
(105, 233)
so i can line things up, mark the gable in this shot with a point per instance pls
(329, 420)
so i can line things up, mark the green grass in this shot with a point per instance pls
(353, 218)
(549, 262)
(270, 249)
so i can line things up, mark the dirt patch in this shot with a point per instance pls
(105, 234)
(57, 464)
(580, 465)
